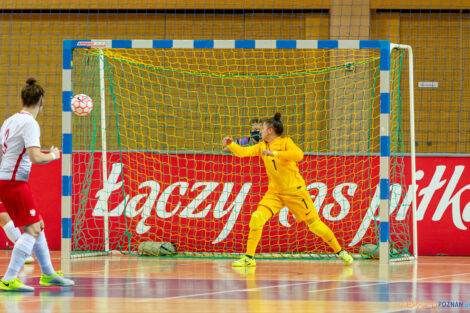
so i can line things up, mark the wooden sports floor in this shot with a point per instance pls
(131, 284)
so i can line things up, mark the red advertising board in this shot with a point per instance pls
(203, 202)
(210, 200)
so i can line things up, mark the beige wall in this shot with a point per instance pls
(30, 45)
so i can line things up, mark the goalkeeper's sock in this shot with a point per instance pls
(334, 244)
(253, 239)
(320, 229)
(41, 250)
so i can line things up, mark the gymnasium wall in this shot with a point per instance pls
(32, 33)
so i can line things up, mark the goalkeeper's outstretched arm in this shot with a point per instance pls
(240, 151)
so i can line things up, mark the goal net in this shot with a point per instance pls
(148, 165)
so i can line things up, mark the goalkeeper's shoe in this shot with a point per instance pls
(244, 262)
(346, 257)
(55, 280)
(14, 285)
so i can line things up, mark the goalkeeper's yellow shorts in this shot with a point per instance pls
(300, 204)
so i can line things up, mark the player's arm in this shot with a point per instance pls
(292, 152)
(37, 157)
(245, 141)
(31, 136)
(240, 151)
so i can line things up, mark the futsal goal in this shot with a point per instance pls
(147, 163)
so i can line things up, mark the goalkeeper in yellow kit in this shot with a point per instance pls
(286, 188)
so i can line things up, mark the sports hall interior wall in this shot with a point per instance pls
(32, 34)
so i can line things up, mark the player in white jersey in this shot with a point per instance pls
(13, 233)
(19, 139)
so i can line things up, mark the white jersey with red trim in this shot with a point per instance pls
(19, 132)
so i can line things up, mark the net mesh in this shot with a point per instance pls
(168, 180)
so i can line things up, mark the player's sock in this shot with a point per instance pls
(41, 250)
(320, 229)
(23, 247)
(253, 239)
(12, 232)
(257, 221)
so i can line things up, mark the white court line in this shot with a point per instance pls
(224, 291)
(294, 284)
(279, 286)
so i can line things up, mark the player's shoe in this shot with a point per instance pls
(14, 285)
(244, 262)
(346, 257)
(29, 260)
(55, 280)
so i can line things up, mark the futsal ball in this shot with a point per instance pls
(369, 250)
(81, 104)
(157, 248)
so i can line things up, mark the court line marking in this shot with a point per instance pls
(292, 284)
(258, 288)
(287, 285)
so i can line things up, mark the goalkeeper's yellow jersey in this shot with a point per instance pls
(282, 170)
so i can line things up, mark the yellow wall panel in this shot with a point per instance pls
(159, 4)
(436, 64)
(204, 26)
(267, 26)
(226, 4)
(35, 49)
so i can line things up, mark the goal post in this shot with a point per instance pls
(146, 164)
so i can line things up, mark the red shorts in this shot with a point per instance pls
(19, 202)
(2, 208)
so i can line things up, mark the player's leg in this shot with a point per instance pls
(270, 205)
(16, 205)
(23, 248)
(49, 276)
(257, 221)
(19, 201)
(302, 206)
(322, 230)
(12, 232)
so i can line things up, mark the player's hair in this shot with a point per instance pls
(31, 93)
(254, 120)
(275, 123)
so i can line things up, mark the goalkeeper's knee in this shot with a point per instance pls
(259, 218)
(320, 229)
